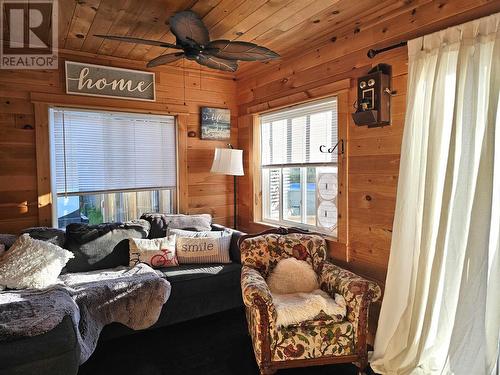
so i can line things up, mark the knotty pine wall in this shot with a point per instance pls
(206, 193)
(372, 153)
(373, 164)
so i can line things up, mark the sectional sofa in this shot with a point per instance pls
(196, 290)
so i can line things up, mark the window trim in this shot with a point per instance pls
(42, 102)
(47, 196)
(343, 113)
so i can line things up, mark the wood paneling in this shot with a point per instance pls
(24, 98)
(289, 27)
(259, 20)
(323, 44)
(372, 153)
(372, 163)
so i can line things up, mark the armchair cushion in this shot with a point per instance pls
(295, 308)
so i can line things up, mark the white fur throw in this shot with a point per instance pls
(298, 307)
(292, 276)
(31, 263)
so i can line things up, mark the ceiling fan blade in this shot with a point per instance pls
(216, 63)
(128, 39)
(165, 59)
(189, 29)
(243, 51)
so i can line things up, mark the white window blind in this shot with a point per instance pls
(294, 135)
(99, 151)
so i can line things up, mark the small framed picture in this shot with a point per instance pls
(215, 123)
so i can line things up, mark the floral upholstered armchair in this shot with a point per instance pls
(314, 342)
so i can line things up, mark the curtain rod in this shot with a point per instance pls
(374, 52)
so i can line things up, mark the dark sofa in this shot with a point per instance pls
(197, 290)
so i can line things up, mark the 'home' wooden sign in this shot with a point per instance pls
(98, 80)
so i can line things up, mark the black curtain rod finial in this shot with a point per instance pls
(374, 52)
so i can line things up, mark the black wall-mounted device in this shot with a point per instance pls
(374, 97)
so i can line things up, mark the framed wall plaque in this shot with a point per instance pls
(105, 81)
(215, 123)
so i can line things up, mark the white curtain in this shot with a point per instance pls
(441, 310)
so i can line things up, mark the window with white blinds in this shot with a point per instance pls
(294, 135)
(106, 151)
(111, 166)
(299, 181)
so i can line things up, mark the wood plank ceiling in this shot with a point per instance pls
(285, 26)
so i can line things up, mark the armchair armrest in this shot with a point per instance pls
(255, 291)
(358, 293)
(261, 313)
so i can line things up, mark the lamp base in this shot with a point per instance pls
(235, 202)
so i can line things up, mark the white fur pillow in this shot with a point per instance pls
(31, 263)
(292, 276)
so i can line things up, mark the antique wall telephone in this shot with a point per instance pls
(373, 105)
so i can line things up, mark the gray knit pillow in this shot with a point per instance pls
(191, 233)
(160, 223)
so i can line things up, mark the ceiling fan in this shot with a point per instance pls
(193, 39)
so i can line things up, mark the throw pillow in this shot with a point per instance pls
(161, 222)
(31, 263)
(190, 233)
(292, 276)
(102, 246)
(48, 234)
(203, 249)
(7, 240)
(158, 252)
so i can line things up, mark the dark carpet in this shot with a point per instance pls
(215, 345)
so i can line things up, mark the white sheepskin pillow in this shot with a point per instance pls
(31, 263)
(292, 276)
(299, 307)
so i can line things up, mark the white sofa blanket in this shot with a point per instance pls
(131, 296)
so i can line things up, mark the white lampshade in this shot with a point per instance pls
(228, 161)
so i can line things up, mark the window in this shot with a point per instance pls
(111, 166)
(299, 182)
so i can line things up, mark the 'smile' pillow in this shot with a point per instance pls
(31, 263)
(158, 252)
(203, 249)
